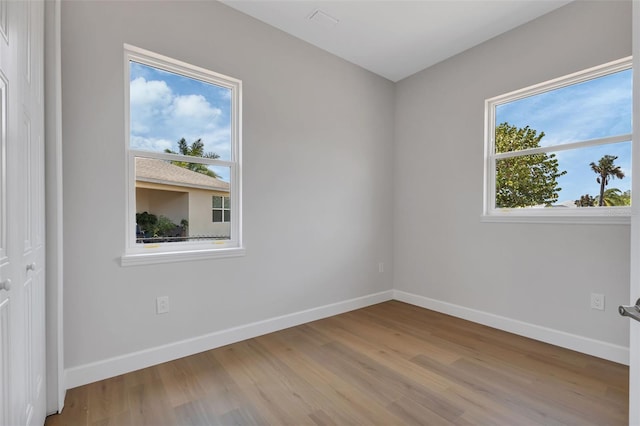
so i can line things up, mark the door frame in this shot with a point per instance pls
(56, 387)
(634, 285)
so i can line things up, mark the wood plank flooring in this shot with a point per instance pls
(387, 364)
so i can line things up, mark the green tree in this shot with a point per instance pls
(606, 169)
(147, 223)
(154, 226)
(586, 200)
(615, 197)
(196, 149)
(626, 198)
(526, 180)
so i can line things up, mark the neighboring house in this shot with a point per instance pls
(164, 189)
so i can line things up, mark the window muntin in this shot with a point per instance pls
(221, 209)
(584, 117)
(183, 148)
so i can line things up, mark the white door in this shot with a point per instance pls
(634, 343)
(22, 337)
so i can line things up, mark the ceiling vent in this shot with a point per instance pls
(323, 18)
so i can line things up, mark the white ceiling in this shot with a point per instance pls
(396, 38)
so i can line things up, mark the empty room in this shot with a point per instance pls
(319, 212)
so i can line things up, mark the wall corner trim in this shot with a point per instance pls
(597, 348)
(111, 367)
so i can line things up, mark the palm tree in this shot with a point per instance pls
(605, 169)
(585, 200)
(195, 150)
(615, 197)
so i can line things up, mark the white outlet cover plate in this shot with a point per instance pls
(162, 305)
(597, 301)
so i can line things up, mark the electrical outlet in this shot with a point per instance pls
(381, 267)
(597, 301)
(162, 305)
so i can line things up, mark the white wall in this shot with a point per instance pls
(540, 274)
(318, 139)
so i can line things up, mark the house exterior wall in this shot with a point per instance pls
(200, 216)
(172, 204)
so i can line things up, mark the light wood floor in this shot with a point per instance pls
(387, 364)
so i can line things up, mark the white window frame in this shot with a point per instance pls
(140, 254)
(596, 215)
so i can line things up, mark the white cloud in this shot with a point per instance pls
(149, 93)
(150, 144)
(226, 94)
(160, 117)
(148, 100)
(219, 141)
(194, 107)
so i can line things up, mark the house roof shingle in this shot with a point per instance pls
(163, 172)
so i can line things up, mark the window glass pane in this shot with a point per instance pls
(581, 179)
(173, 113)
(592, 109)
(217, 202)
(162, 205)
(227, 216)
(174, 201)
(227, 202)
(561, 179)
(222, 174)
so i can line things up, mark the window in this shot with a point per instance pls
(183, 160)
(221, 208)
(561, 150)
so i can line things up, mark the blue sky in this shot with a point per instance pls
(165, 107)
(589, 110)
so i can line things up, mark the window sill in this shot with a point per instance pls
(604, 217)
(136, 259)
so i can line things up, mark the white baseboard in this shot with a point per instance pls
(89, 373)
(600, 349)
